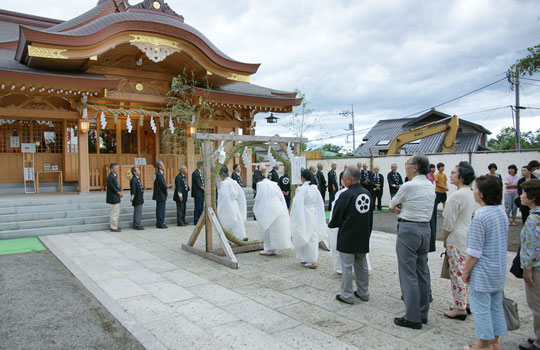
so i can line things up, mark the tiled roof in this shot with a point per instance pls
(88, 15)
(387, 130)
(242, 88)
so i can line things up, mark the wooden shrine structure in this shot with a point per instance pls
(233, 145)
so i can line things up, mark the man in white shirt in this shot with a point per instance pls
(414, 205)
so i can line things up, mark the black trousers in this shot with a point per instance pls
(181, 212)
(288, 201)
(199, 206)
(393, 192)
(331, 198)
(377, 198)
(160, 214)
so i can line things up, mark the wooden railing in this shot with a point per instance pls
(96, 180)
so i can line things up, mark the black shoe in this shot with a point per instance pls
(140, 228)
(424, 321)
(164, 226)
(457, 317)
(528, 346)
(338, 298)
(361, 297)
(531, 340)
(430, 298)
(402, 322)
(180, 224)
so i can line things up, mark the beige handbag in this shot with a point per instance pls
(445, 271)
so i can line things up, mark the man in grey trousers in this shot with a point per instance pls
(137, 197)
(414, 205)
(353, 214)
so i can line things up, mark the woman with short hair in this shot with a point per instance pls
(530, 256)
(457, 217)
(510, 193)
(485, 264)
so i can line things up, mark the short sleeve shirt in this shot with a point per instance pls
(440, 179)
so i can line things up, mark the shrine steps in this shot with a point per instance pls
(48, 214)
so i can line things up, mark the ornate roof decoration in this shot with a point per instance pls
(156, 5)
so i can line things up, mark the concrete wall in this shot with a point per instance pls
(479, 161)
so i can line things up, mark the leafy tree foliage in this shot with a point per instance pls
(528, 64)
(505, 140)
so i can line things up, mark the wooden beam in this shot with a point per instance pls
(221, 137)
(239, 249)
(38, 113)
(219, 259)
(196, 231)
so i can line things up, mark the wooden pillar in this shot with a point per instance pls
(191, 162)
(84, 162)
(208, 189)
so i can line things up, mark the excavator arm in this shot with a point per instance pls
(449, 143)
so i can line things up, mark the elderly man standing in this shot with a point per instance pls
(377, 181)
(414, 205)
(321, 181)
(181, 189)
(197, 191)
(137, 197)
(114, 193)
(353, 215)
(160, 194)
(394, 180)
(332, 185)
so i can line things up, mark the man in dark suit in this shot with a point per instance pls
(394, 180)
(114, 193)
(332, 185)
(273, 174)
(285, 186)
(137, 197)
(377, 181)
(160, 194)
(181, 189)
(353, 215)
(341, 185)
(321, 181)
(197, 190)
(236, 175)
(366, 177)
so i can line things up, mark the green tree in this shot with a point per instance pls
(331, 148)
(529, 64)
(505, 140)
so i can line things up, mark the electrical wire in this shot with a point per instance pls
(522, 78)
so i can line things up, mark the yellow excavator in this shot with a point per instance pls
(449, 143)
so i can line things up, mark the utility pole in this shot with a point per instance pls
(351, 127)
(518, 134)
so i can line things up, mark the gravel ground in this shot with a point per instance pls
(386, 221)
(45, 307)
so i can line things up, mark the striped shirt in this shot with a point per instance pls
(487, 240)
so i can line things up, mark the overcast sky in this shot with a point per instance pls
(388, 58)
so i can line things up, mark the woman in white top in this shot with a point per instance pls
(308, 221)
(457, 214)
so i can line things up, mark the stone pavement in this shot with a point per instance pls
(171, 299)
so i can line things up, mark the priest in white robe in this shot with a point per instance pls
(272, 216)
(308, 221)
(231, 205)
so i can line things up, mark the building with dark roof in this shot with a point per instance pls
(92, 90)
(470, 136)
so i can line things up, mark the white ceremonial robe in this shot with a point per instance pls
(308, 222)
(272, 216)
(232, 208)
(332, 236)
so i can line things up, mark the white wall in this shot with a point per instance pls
(479, 161)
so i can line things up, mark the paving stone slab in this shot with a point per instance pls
(168, 292)
(202, 313)
(304, 337)
(266, 296)
(121, 288)
(147, 308)
(240, 335)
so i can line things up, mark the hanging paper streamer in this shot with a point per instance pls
(246, 158)
(270, 156)
(153, 125)
(290, 153)
(128, 124)
(103, 120)
(219, 154)
(171, 125)
(85, 113)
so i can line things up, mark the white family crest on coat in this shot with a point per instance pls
(285, 180)
(232, 208)
(362, 203)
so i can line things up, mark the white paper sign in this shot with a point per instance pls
(28, 174)
(297, 164)
(28, 148)
(140, 161)
(14, 142)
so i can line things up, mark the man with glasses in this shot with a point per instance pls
(414, 205)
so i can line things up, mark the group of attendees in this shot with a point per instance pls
(475, 229)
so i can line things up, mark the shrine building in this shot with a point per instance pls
(92, 90)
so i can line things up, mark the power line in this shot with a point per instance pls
(530, 79)
(456, 98)
(522, 82)
(485, 110)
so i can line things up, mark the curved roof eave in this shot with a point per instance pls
(115, 23)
